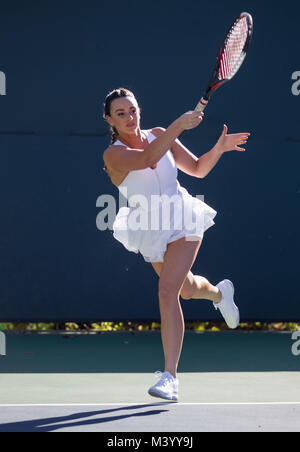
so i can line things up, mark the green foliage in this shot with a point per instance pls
(97, 327)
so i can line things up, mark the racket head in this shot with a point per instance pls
(232, 52)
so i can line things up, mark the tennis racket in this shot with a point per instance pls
(231, 57)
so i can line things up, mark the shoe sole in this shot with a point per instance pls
(231, 283)
(239, 320)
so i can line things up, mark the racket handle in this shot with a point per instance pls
(201, 105)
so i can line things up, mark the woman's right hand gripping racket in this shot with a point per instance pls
(232, 55)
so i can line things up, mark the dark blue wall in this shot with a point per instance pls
(60, 60)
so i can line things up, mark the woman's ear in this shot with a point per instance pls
(109, 120)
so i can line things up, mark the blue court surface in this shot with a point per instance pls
(229, 381)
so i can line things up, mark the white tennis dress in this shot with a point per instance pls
(159, 210)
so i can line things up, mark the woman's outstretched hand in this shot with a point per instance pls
(231, 142)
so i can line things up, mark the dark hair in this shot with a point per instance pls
(115, 94)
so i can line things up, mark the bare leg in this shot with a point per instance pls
(195, 286)
(202, 288)
(178, 260)
(172, 333)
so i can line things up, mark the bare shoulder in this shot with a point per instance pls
(157, 131)
(113, 147)
(109, 155)
(112, 150)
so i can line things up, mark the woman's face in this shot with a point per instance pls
(124, 115)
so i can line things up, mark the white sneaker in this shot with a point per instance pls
(227, 307)
(166, 387)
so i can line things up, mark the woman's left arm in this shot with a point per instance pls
(225, 143)
(187, 162)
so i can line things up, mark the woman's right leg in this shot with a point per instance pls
(178, 260)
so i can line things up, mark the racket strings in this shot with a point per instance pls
(233, 55)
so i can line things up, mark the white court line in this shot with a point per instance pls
(143, 403)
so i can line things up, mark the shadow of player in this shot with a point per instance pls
(78, 419)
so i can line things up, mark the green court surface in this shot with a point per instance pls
(232, 370)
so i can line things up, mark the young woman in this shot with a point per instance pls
(145, 163)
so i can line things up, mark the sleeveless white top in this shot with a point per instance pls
(191, 221)
(148, 181)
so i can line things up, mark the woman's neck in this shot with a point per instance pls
(134, 141)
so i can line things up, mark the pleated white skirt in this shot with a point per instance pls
(149, 232)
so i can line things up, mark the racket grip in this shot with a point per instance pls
(201, 104)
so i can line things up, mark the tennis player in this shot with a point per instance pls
(145, 163)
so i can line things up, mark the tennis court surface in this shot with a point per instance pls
(229, 381)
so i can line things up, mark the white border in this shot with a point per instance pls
(143, 403)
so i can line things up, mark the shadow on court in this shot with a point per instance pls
(78, 419)
(141, 352)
